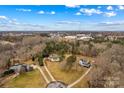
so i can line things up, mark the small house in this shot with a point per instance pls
(20, 68)
(54, 58)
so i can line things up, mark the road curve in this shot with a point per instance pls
(77, 81)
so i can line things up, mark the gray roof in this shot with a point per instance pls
(56, 84)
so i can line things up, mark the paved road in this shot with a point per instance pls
(77, 81)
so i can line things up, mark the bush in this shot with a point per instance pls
(8, 72)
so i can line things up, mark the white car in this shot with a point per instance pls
(84, 63)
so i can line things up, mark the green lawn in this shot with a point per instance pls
(31, 79)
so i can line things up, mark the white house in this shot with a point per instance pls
(54, 58)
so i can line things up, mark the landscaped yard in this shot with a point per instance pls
(31, 79)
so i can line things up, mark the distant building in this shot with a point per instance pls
(85, 38)
(79, 37)
(56, 36)
(70, 37)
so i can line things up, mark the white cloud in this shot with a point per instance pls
(53, 12)
(90, 11)
(110, 14)
(3, 17)
(23, 10)
(114, 22)
(7, 21)
(109, 8)
(99, 7)
(78, 13)
(22, 26)
(121, 7)
(13, 22)
(68, 22)
(41, 12)
(10, 24)
(72, 6)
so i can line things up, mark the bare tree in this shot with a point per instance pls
(109, 68)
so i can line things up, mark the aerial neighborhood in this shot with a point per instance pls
(61, 59)
(61, 46)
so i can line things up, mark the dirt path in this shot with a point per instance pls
(77, 81)
(53, 79)
(44, 76)
(51, 76)
(48, 77)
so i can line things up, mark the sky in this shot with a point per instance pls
(61, 17)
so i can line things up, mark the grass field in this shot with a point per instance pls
(66, 77)
(31, 79)
(72, 75)
(82, 84)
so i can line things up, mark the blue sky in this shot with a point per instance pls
(61, 17)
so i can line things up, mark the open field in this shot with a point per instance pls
(67, 77)
(31, 79)
(82, 84)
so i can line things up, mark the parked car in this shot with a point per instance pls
(84, 63)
